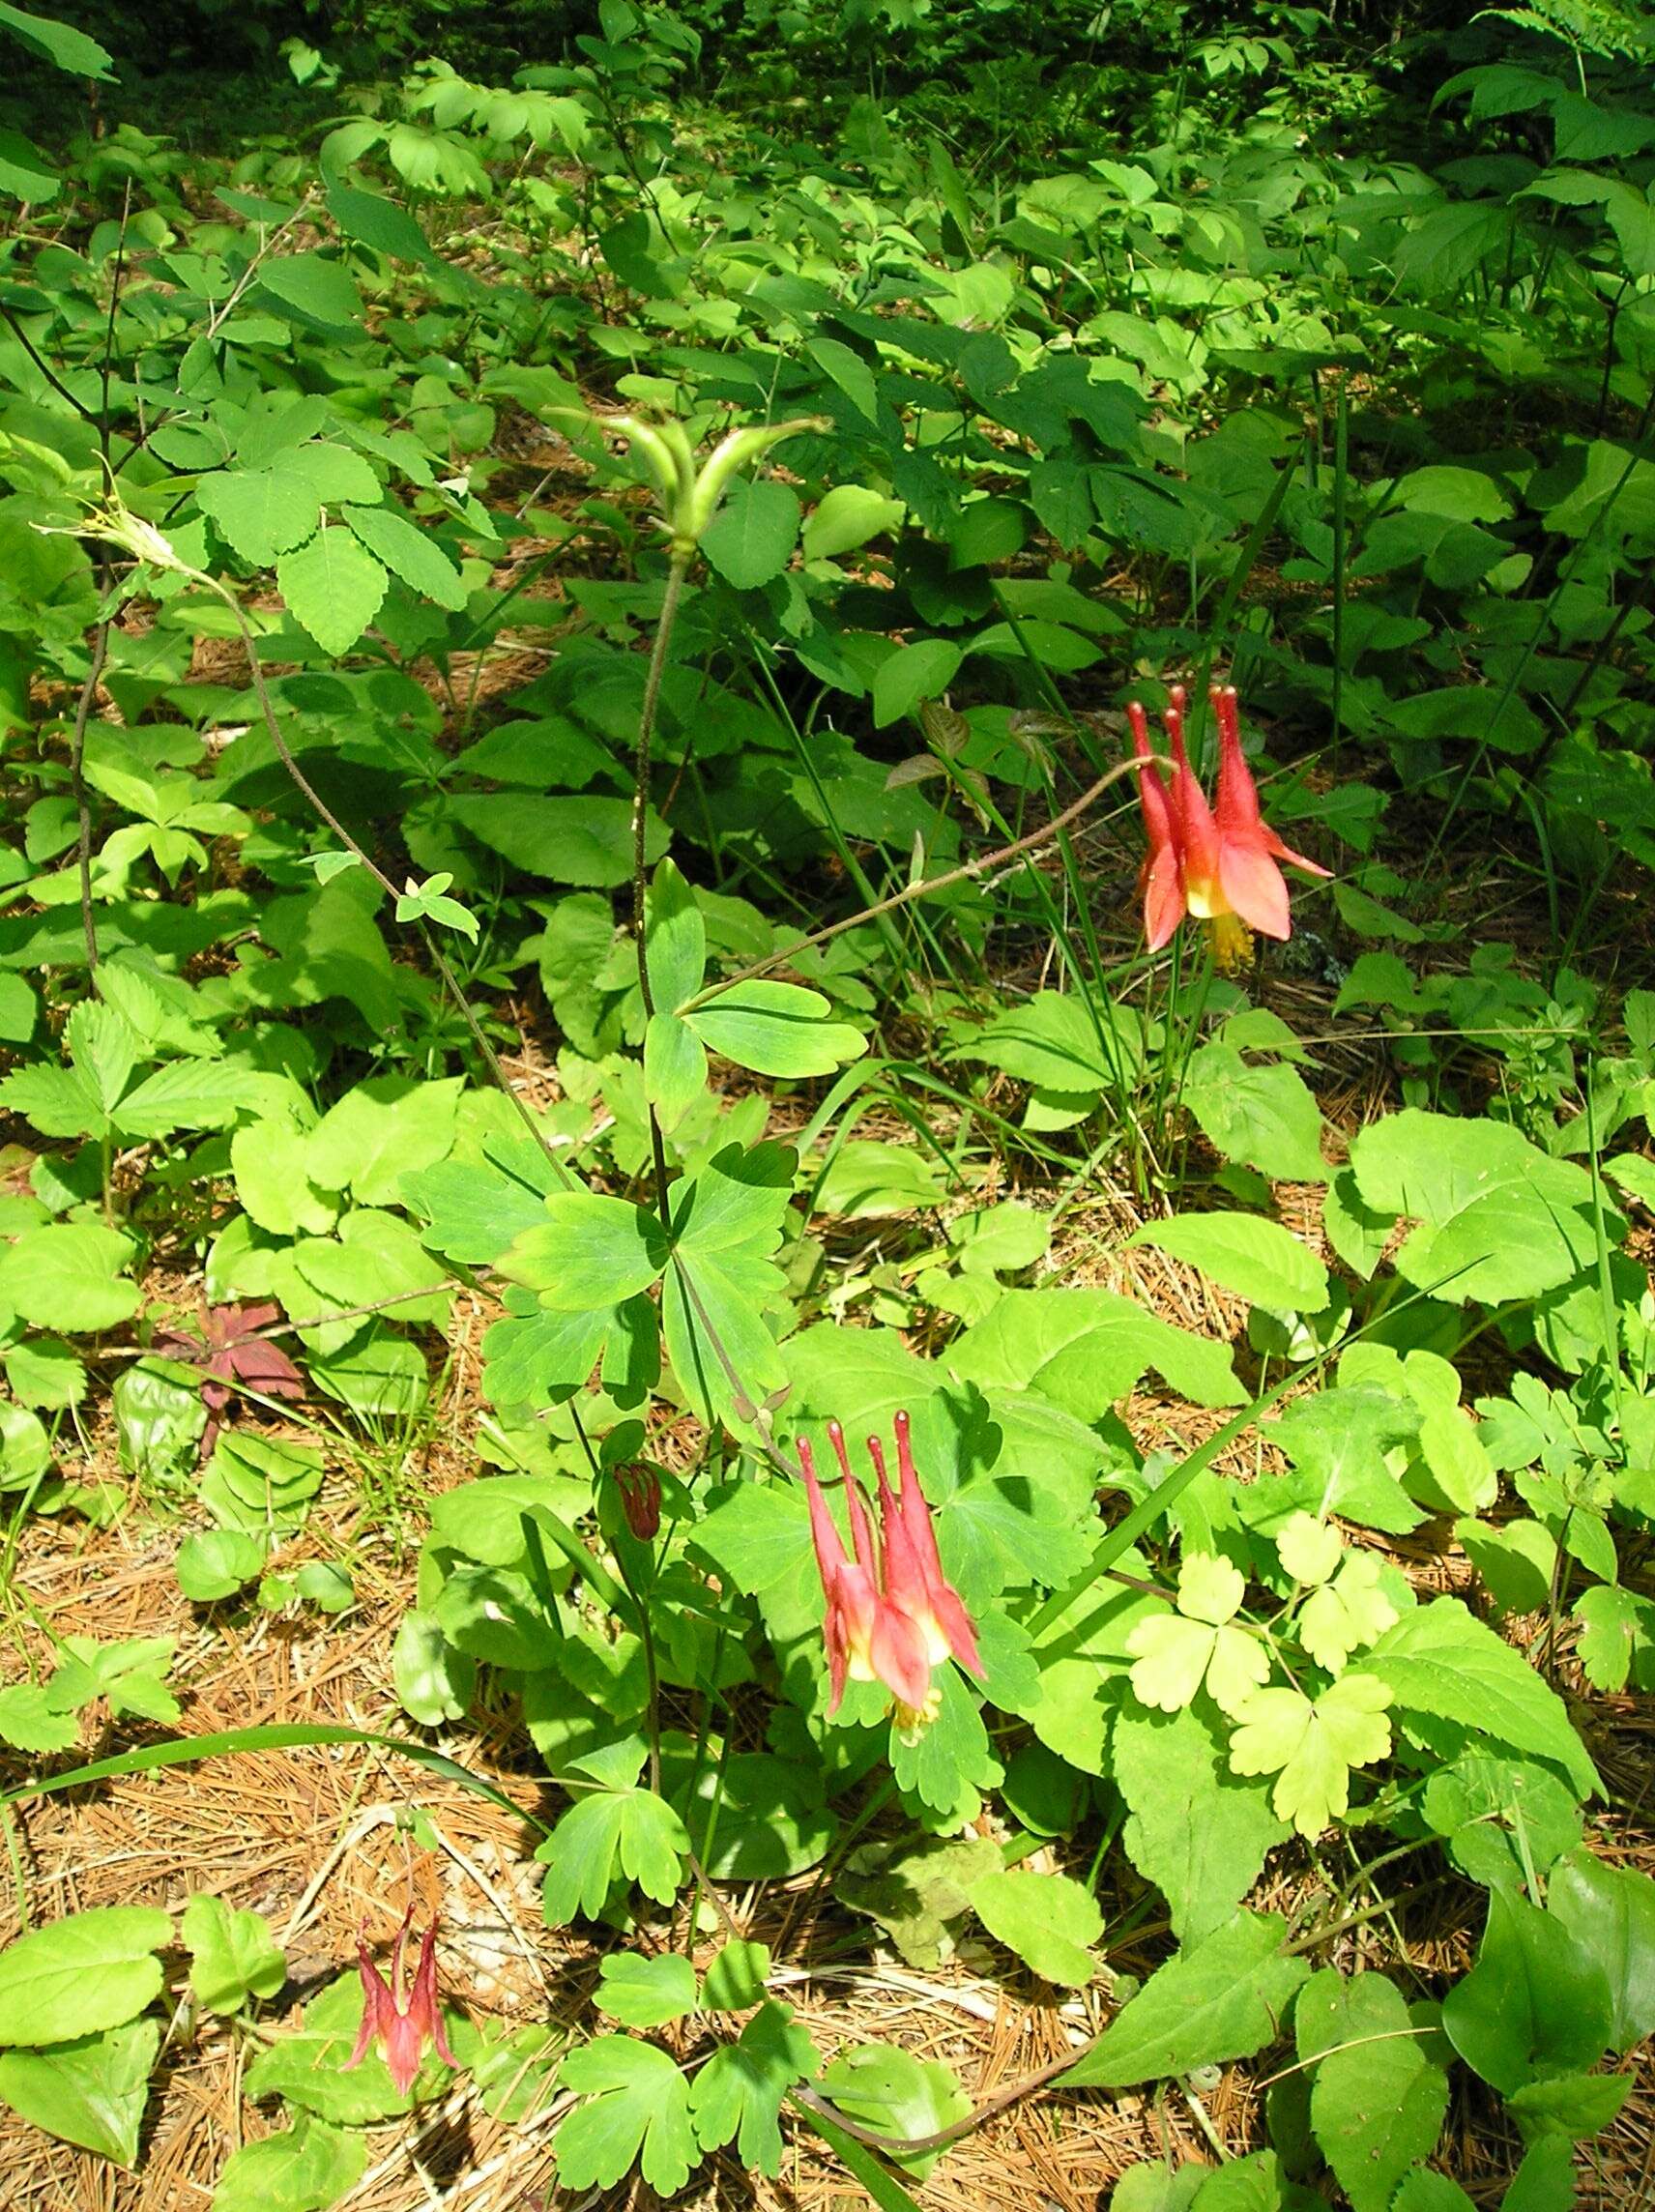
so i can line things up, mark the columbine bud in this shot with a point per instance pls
(640, 1489)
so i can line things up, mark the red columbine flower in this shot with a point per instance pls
(893, 1615)
(1225, 872)
(401, 2019)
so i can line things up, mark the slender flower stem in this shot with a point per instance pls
(678, 570)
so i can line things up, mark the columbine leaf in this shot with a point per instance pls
(1342, 1615)
(637, 2107)
(1312, 1746)
(645, 1993)
(740, 2091)
(1308, 1549)
(629, 1830)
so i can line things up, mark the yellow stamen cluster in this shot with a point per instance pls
(1232, 943)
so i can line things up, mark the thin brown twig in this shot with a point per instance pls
(966, 873)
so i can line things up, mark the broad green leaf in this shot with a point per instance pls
(636, 2109)
(1219, 1999)
(1060, 1042)
(261, 1484)
(1536, 2004)
(1378, 2096)
(25, 1448)
(91, 2091)
(381, 1130)
(888, 2089)
(1610, 1911)
(334, 587)
(260, 512)
(849, 371)
(1499, 1818)
(316, 288)
(434, 1682)
(1149, 2187)
(738, 2094)
(1048, 1919)
(67, 1276)
(1259, 1260)
(645, 1993)
(303, 2169)
(916, 1890)
(215, 1563)
(306, 2063)
(377, 223)
(676, 936)
(776, 1028)
(752, 536)
(60, 1101)
(1265, 1117)
(1572, 2106)
(848, 516)
(1086, 1349)
(1499, 1218)
(63, 46)
(190, 1094)
(563, 840)
(914, 673)
(1617, 1633)
(1425, 2192)
(408, 552)
(675, 1069)
(1440, 1659)
(1312, 1745)
(82, 1974)
(233, 1955)
(270, 1161)
(25, 172)
(1193, 1829)
(586, 1251)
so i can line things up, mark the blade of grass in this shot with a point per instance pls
(276, 1735)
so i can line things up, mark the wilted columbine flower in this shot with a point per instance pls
(1219, 867)
(400, 2018)
(892, 1615)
